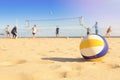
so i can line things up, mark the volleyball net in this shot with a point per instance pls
(68, 27)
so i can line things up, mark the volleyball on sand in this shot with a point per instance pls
(93, 47)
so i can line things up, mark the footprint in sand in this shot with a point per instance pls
(69, 74)
(3, 48)
(67, 71)
(51, 51)
(14, 76)
(43, 62)
(11, 62)
(54, 67)
(43, 75)
(114, 66)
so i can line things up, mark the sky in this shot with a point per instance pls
(105, 12)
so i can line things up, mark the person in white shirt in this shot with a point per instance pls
(7, 30)
(34, 30)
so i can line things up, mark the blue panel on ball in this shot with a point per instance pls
(105, 49)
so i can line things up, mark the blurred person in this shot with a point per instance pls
(7, 30)
(34, 30)
(14, 32)
(96, 28)
(88, 31)
(57, 31)
(109, 30)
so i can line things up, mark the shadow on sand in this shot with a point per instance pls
(59, 59)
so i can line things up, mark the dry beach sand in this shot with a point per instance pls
(55, 59)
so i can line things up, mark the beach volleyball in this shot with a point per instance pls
(93, 47)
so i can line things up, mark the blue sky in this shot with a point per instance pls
(106, 12)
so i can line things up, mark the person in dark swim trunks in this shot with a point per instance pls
(14, 32)
(57, 31)
(88, 31)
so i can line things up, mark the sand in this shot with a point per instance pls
(55, 59)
